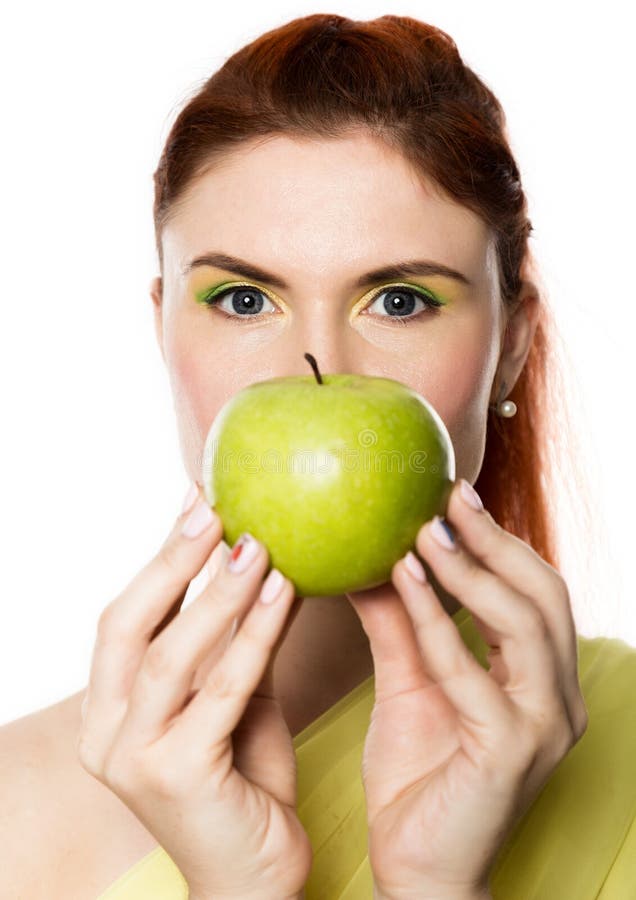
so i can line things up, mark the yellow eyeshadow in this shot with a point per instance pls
(418, 289)
(206, 294)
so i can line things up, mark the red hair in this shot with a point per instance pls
(405, 82)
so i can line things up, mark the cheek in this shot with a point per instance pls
(461, 398)
(201, 382)
(465, 409)
(458, 384)
(466, 412)
(204, 373)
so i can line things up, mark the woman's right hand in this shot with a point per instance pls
(210, 773)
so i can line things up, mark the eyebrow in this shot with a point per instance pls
(394, 271)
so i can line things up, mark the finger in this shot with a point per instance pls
(168, 668)
(517, 563)
(473, 693)
(262, 744)
(397, 659)
(169, 616)
(218, 707)
(265, 687)
(126, 626)
(207, 573)
(518, 625)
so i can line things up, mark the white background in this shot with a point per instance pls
(91, 475)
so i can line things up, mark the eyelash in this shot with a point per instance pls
(430, 302)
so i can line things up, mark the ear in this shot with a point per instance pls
(156, 292)
(518, 336)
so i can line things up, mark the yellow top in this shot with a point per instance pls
(576, 842)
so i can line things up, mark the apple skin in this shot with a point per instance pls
(334, 478)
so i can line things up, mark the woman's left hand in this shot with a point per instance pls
(455, 754)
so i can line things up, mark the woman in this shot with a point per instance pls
(436, 736)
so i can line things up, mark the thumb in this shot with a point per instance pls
(397, 658)
(265, 687)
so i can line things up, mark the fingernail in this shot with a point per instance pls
(470, 495)
(442, 532)
(199, 519)
(271, 586)
(415, 567)
(189, 498)
(243, 553)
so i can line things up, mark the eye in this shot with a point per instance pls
(243, 300)
(246, 301)
(399, 302)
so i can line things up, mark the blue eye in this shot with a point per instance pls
(246, 301)
(399, 302)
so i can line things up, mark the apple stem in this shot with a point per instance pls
(314, 365)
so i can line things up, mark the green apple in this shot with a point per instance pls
(334, 474)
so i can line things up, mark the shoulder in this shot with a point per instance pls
(27, 770)
(60, 829)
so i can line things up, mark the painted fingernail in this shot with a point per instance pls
(189, 498)
(243, 553)
(442, 532)
(199, 519)
(415, 567)
(470, 495)
(271, 586)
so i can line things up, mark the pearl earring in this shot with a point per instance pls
(504, 408)
(507, 409)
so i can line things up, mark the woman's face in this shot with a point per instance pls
(317, 216)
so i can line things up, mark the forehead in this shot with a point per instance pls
(322, 203)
